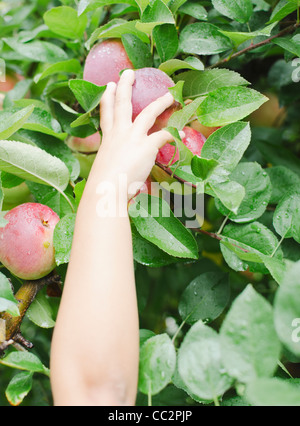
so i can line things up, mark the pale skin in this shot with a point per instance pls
(95, 346)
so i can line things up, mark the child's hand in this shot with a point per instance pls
(126, 149)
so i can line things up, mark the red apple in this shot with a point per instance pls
(193, 140)
(163, 119)
(26, 242)
(85, 145)
(105, 61)
(150, 84)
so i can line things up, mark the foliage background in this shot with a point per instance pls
(216, 322)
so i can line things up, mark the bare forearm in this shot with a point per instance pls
(95, 350)
(99, 330)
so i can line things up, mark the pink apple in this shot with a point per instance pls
(105, 61)
(150, 84)
(193, 140)
(163, 119)
(85, 145)
(26, 242)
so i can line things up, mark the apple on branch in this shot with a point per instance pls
(26, 241)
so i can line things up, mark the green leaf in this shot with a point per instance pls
(40, 119)
(88, 5)
(155, 13)
(200, 363)
(238, 10)
(194, 9)
(174, 5)
(276, 266)
(63, 238)
(25, 361)
(157, 364)
(166, 41)
(185, 173)
(282, 179)
(239, 37)
(138, 52)
(173, 65)
(78, 190)
(176, 91)
(145, 335)
(243, 246)
(292, 45)
(18, 92)
(205, 298)
(287, 310)
(61, 203)
(149, 254)
(229, 104)
(228, 144)
(8, 303)
(116, 28)
(278, 155)
(15, 122)
(283, 9)
(257, 193)
(87, 94)
(71, 66)
(230, 192)
(19, 387)
(198, 83)
(273, 392)
(180, 118)
(286, 219)
(40, 312)
(202, 167)
(202, 38)
(156, 223)
(33, 164)
(38, 51)
(185, 155)
(65, 22)
(250, 347)
(53, 146)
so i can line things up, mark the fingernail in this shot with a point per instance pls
(128, 72)
(111, 85)
(169, 95)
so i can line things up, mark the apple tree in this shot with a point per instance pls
(219, 301)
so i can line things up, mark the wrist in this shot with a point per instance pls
(107, 194)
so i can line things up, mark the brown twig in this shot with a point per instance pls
(173, 175)
(282, 33)
(25, 296)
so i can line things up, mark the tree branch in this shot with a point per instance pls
(282, 33)
(25, 296)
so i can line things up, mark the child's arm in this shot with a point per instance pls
(95, 348)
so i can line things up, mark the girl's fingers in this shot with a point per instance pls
(159, 139)
(147, 117)
(107, 105)
(123, 105)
